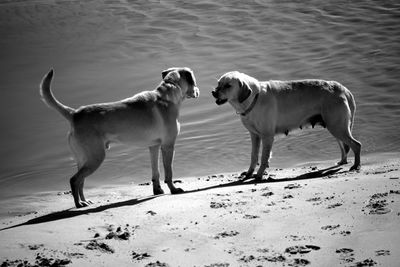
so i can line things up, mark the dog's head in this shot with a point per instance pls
(234, 87)
(183, 84)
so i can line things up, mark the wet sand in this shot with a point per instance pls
(313, 214)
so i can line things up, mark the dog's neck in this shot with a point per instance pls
(247, 105)
(164, 93)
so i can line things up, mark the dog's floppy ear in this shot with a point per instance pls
(165, 72)
(245, 90)
(169, 91)
(188, 75)
(172, 76)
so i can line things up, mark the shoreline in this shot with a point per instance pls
(312, 214)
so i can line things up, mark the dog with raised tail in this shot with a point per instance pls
(267, 108)
(149, 118)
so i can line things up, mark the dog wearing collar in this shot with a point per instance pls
(149, 118)
(272, 107)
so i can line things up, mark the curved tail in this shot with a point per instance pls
(50, 100)
(352, 106)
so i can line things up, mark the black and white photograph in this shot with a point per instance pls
(171, 133)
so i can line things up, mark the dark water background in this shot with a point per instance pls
(108, 50)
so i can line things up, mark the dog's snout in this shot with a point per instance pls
(196, 92)
(193, 94)
(214, 94)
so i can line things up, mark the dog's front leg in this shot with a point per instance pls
(267, 141)
(255, 150)
(168, 157)
(154, 156)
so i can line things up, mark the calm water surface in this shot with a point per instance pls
(109, 50)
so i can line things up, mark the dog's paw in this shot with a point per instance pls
(81, 204)
(158, 191)
(258, 177)
(246, 175)
(355, 168)
(342, 162)
(88, 201)
(177, 191)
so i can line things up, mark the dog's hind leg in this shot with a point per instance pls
(89, 156)
(154, 158)
(343, 152)
(355, 145)
(168, 157)
(340, 128)
(81, 195)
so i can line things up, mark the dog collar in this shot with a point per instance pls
(250, 107)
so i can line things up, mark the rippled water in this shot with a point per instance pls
(108, 50)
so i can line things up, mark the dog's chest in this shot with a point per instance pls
(251, 124)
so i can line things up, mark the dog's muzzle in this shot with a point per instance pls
(196, 93)
(218, 101)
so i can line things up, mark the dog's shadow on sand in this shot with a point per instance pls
(70, 213)
(65, 214)
(247, 181)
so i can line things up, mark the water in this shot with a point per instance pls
(108, 50)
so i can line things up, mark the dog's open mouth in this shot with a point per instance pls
(221, 101)
(218, 101)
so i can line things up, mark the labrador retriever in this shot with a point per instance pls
(272, 107)
(148, 118)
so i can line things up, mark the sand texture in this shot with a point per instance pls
(314, 214)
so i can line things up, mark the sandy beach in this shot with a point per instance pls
(307, 213)
(313, 214)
